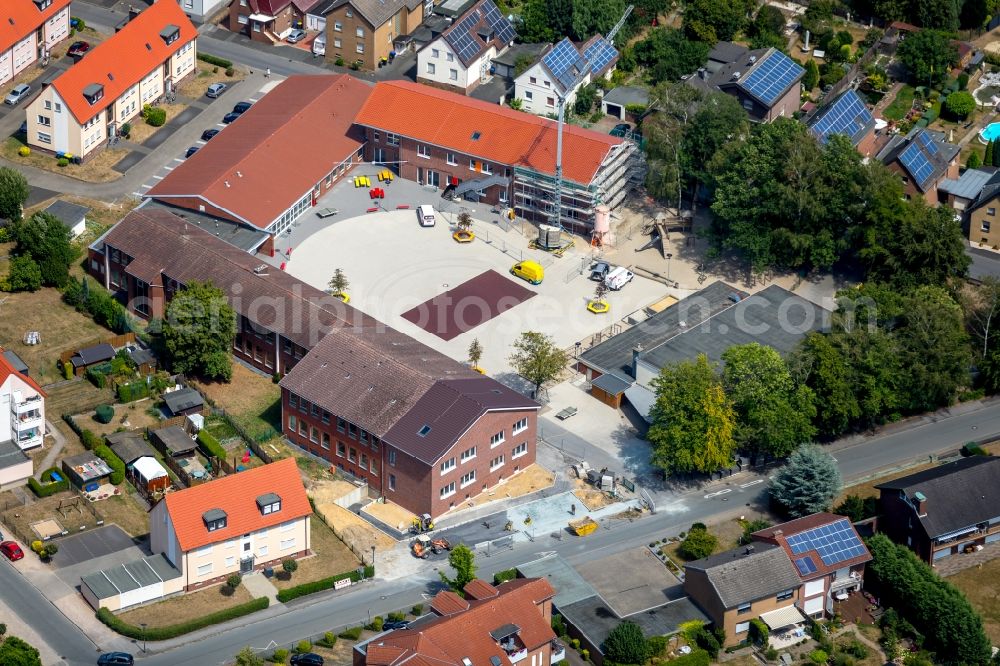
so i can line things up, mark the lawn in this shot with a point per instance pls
(101, 216)
(981, 586)
(96, 169)
(133, 416)
(141, 130)
(251, 400)
(125, 512)
(195, 86)
(901, 105)
(331, 557)
(75, 513)
(728, 534)
(185, 607)
(61, 327)
(867, 488)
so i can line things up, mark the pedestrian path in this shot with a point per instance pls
(258, 585)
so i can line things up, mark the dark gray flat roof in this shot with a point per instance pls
(68, 213)
(15, 361)
(611, 384)
(175, 439)
(235, 234)
(569, 585)
(615, 354)
(628, 95)
(185, 398)
(131, 576)
(774, 317)
(10, 454)
(595, 619)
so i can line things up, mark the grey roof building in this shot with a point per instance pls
(967, 187)
(15, 361)
(173, 441)
(129, 446)
(925, 156)
(615, 101)
(92, 355)
(73, 216)
(184, 401)
(746, 574)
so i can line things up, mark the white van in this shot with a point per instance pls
(618, 278)
(425, 215)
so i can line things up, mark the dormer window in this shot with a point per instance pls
(93, 93)
(215, 519)
(43, 4)
(269, 503)
(170, 34)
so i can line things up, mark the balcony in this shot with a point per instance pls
(29, 439)
(26, 420)
(847, 581)
(26, 405)
(517, 655)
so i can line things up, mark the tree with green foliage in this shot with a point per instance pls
(626, 644)
(960, 104)
(929, 55)
(711, 21)
(537, 358)
(937, 14)
(475, 352)
(982, 314)
(198, 332)
(718, 119)
(768, 20)
(774, 415)
(668, 54)
(927, 247)
(14, 192)
(664, 134)
(937, 609)
(811, 78)
(249, 657)
(976, 14)
(807, 483)
(17, 652)
(338, 284)
(821, 366)
(533, 26)
(751, 526)
(591, 17)
(463, 561)
(23, 274)
(46, 240)
(586, 96)
(857, 508)
(698, 543)
(891, 10)
(693, 421)
(974, 161)
(988, 159)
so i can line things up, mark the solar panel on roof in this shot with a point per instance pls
(927, 142)
(772, 77)
(805, 565)
(599, 54)
(835, 543)
(916, 163)
(464, 37)
(565, 63)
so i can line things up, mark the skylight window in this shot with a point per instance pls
(475, 136)
(424, 431)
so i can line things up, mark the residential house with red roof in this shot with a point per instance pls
(89, 102)
(828, 554)
(494, 154)
(492, 626)
(31, 29)
(22, 420)
(236, 524)
(233, 176)
(268, 21)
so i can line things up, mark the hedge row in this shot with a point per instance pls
(47, 489)
(504, 576)
(172, 631)
(133, 391)
(211, 444)
(114, 462)
(322, 584)
(89, 439)
(215, 60)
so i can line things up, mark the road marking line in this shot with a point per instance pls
(752, 483)
(158, 178)
(718, 492)
(168, 168)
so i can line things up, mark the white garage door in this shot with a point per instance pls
(142, 594)
(813, 606)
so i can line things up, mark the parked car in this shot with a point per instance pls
(395, 624)
(296, 36)
(78, 49)
(11, 550)
(230, 117)
(530, 271)
(215, 90)
(618, 278)
(191, 151)
(19, 92)
(242, 107)
(115, 659)
(208, 134)
(599, 271)
(621, 129)
(307, 659)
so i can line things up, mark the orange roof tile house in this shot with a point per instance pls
(91, 100)
(240, 523)
(31, 29)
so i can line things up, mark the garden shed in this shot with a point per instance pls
(148, 475)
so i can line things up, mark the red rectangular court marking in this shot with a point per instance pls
(468, 305)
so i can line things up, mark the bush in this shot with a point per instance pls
(132, 391)
(214, 60)
(585, 655)
(376, 624)
(758, 631)
(396, 616)
(63, 162)
(90, 440)
(24, 151)
(104, 413)
(114, 462)
(352, 634)
(322, 584)
(303, 646)
(280, 656)
(707, 641)
(174, 630)
(504, 576)
(963, 81)
(339, 62)
(211, 445)
(290, 565)
(841, 659)
(857, 508)
(47, 489)
(234, 580)
(818, 657)
(696, 658)
(329, 639)
(126, 129)
(856, 649)
(51, 548)
(771, 654)
(417, 610)
(230, 71)
(699, 543)
(558, 626)
(156, 117)
(574, 643)
(973, 449)
(657, 645)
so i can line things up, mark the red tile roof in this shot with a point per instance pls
(6, 370)
(23, 18)
(480, 589)
(124, 59)
(505, 136)
(237, 495)
(778, 534)
(466, 634)
(260, 165)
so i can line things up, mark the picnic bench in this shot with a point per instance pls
(327, 212)
(566, 413)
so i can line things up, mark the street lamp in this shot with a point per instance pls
(669, 257)
(143, 625)
(373, 561)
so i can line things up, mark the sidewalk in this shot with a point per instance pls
(50, 457)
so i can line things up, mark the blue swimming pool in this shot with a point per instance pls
(990, 133)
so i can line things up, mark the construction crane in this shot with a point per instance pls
(610, 39)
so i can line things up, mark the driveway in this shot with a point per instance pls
(90, 545)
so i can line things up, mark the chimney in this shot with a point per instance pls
(703, 73)
(636, 352)
(920, 502)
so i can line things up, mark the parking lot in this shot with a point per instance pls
(393, 264)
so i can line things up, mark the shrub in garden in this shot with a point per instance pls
(339, 62)
(303, 646)
(37, 546)
(230, 71)
(698, 543)
(376, 624)
(104, 413)
(280, 656)
(397, 616)
(234, 581)
(290, 566)
(417, 610)
(329, 639)
(51, 548)
(24, 151)
(351, 634)
(126, 129)
(156, 117)
(63, 162)
(818, 657)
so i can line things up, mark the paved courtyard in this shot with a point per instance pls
(393, 265)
